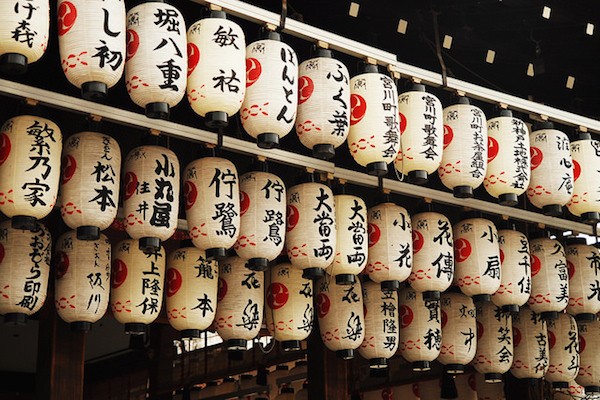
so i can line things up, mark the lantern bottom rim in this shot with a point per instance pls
(15, 319)
(13, 63)
(88, 232)
(418, 177)
(553, 210)
(216, 253)
(135, 328)
(511, 308)
(237, 344)
(347, 354)
(150, 245)
(378, 363)
(493, 377)
(590, 218)
(323, 151)
(560, 385)
(585, 317)
(432, 295)
(462, 192)
(419, 366)
(377, 168)
(258, 264)
(290, 345)
(190, 333)
(267, 140)
(81, 326)
(94, 90)
(480, 298)
(454, 369)
(23, 222)
(313, 273)
(216, 119)
(549, 315)
(592, 389)
(158, 110)
(390, 286)
(345, 279)
(508, 199)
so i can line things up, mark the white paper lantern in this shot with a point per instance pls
(390, 245)
(374, 137)
(530, 345)
(422, 134)
(156, 61)
(212, 204)
(82, 280)
(589, 362)
(91, 40)
(477, 258)
(494, 354)
(549, 277)
(488, 391)
(89, 185)
(310, 239)
(323, 120)
(583, 265)
(240, 303)
(515, 283)
(550, 151)
(269, 108)
(574, 392)
(24, 31)
(192, 282)
(459, 332)
(341, 316)
(420, 329)
(433, 254)
(352, 239)
(289, 299)
(262, 220)
(24, 270)
(216, 68)
(150, 195)
(563, 342)
(585, 202)
(463, 165)
(508, 162)
(137, 285)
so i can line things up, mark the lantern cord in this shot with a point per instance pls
(220, 138)
(269, 348)
(283, 16)
(438, 47)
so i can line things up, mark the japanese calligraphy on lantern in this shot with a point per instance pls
(586, 197)
(494, 355)
(589, 364)
(549, 276)
(531, 359)
(515, 283)
(563, 344)
(352, 237)
(583, 267)
(459, 331)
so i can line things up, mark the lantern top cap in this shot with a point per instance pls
(367, 68)
(579, 135)
(463, 100)
(575, 240)
(316, 51)
(267, 34)
(543, 125)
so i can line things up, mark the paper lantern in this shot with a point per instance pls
(550, 151)
(463, 165)
(89, 186)
(323, 120)
(150, 195)
(289, 311)
(563, 342)
(212, 204)
(216, 68)
(311, 234)
(91, 40)
(589, 362)
(352, 239)
(494, 355)
(137, 287)
(240, 303)
(459, 332)
(583, 263)
(24, 33)
(508, 162)
(549, 277)
(477, 258)
(585, 202)
(530, 345)
(24, 270)
(269, 107)
(488, 391)
(420, 329)
(574, 392)
(390, 245)
(262, 220)
(192, 282)
(82, 275)
(374, 137)
(341, 316)
(156, 61)
(422, 134)
(29, 169)
(515, 282)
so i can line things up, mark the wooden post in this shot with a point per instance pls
(327, 374)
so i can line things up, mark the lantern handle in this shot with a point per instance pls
(283, 15)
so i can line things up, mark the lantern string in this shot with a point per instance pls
(438, 47)
(283, 15)
(269, 348)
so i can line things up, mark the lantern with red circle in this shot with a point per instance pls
(137, 287)
(212, 204)
(240, 302)
(563, 342)
(89, 184)
(91, 40)
(550, 151)
(584, 203)
(420, 329)
(374, 138)
(549, 277)
(494, 355)
(25, 31)
(433, 255)
(191, 284)
(488, 391)
(463, 165)
(531, 346)
(24, 271)
(269, 108)
(589, 362)
(262, 219)
(381, 325)
(30, 149)
(340, 311)
(323, 118)
(289, 300)
(422, 134)
(156, 61)
(459, 332)
(508, 162)
(216, 68)
(583, 262)
(477, 258)
(390, 244)
(82, 275)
